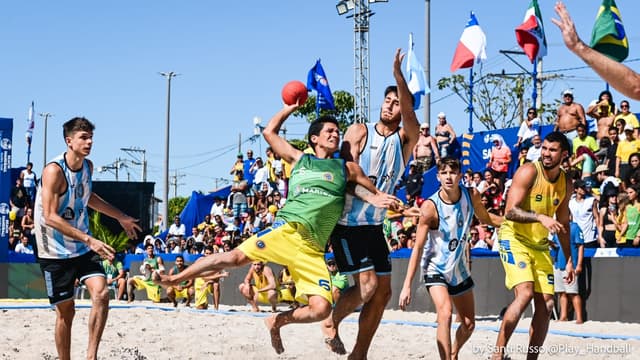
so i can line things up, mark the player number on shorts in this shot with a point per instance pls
(325, 284)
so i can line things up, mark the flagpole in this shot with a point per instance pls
(534, 74)
(317, 105)
(470, 100)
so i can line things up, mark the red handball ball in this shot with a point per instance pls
(294, 91)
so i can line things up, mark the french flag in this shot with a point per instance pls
(472, 46)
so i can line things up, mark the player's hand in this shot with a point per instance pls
(105, 251)
(570, 276)
(551, 224)
(397, 62)
(384, 200)
(130, 226)
(567, 28)
(405, 298)
(412, 211)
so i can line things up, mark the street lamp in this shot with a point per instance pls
(46, 117)
(165, 196)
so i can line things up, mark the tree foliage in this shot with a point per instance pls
(100, 231)
(344, 111)
(176, 205)
(499, 101)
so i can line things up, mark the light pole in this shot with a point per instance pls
(361, 15)
(165, 196)
(46, 117)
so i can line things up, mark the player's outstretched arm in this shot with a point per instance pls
(279, 145)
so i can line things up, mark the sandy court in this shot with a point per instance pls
(149, 331)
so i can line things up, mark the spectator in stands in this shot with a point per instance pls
(246, 166)
(610, 159)
(476, 178)
(604, 111)
(260, 174)
(426, 150)
(184, 290)
(632, 212)
(237, 169)
(259, 286)
(487, 181)
(412, 183)
(172, 247)
(14, 235)
(500, 158)
(585, 160)
(445, 135)
(30, 181)
(533, 154)
(629, 117)
(116, 277)
(151, 263)
(24, 247)
(583, 208)
(583, 139)
(159, 246)
(27, 223)
(177, 229)
(621, 219)
(569, 293)
(238, 196)
(19, 200)
(625, 148)
(634, 166)
(196, 235)
(278, 199)
(528, 129)
(218, 207)
(607, 215)
(570, 114)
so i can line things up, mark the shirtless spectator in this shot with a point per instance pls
(570, 114)
(629, 117)
(604, 111)
(260, 286)
(425, 150)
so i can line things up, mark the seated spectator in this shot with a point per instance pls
(218, 207)
(625, 114)
(185, 289)
(115, 274)
(287, 291)
(24, 247)
(621, 219)
(533, 154)
(279, 199)
(411, 241)
(143, 281)
(528, 129)
(27, 223)
(477, 243)
(260, 286)
(158, 246)
(339, 282)
(196, 235)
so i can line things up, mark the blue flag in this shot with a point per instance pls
(317, 80)
(417, 80)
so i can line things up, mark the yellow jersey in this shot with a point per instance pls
(544, 198)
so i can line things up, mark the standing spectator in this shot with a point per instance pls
(629, 117)
(528, 128)
(570, 114)
(445, 135)
(604, 111)
(569, 292)
(426, 150)
(29, 181)
(413, 183)
(584, 140)
(500, 158)
(237, 169)
(610, 160)
(238, 197)
(177, 229)
(607, 216)
(19, 200)
(632, 213)
(583, 208)
(625, 148)
(260, 174)
(246, 166)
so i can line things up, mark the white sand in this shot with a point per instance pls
(233, 333)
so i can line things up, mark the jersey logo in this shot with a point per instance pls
(539, 197)
(260, 244)
(453, 244)
(556, 202)
(68, 214)
(522, 265)
(328, 176)
(79, 191)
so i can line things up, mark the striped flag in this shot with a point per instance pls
(608, 36)
(30, 125)
(417, 83)
(530, 35)
(471, 47)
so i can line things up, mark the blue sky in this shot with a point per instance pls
(101, 60)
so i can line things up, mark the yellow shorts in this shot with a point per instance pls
(284, 295)
(283, 244)
(202, 295)
(153, 290)
(263, 297)
(522, 263)
(181, 293)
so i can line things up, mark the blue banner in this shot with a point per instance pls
(6, 132)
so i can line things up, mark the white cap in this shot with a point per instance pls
(628, 127)
(567, 92)
(441, 115)
(424, 126)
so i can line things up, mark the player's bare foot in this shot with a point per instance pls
(331, 338)
(274, 332)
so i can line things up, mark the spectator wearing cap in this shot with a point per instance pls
(237, 170)
(500, 158)
(570, 114)
(604, 111)
(583, 207)
(445, 135)
(413, 182)
(528, 128)
(246, 165)
(425, 150)
(629, 117)
(260, 174)
(625, 148)
(607, 185)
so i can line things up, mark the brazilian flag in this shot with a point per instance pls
(608, 36)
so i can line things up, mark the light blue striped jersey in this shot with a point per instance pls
(72, 207)
(445, 249)
(381, 160)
